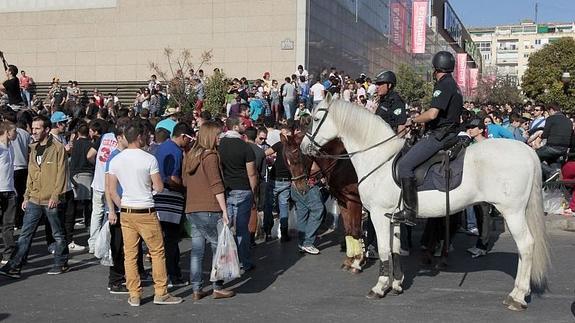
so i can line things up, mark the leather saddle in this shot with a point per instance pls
(455, 149)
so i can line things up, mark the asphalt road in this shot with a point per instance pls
(289, 287)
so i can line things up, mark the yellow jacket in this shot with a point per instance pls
(47, 180)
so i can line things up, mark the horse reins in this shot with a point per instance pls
(312, 136)
(348, 155)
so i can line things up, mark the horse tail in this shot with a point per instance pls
(536, 223)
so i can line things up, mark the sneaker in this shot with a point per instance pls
(52, 248)
(134, 301)
(118, 289)
(167, 300)
(473, 250)
(57, 270)
(3, 262)
(223, 293)
(10, 272)
(553, 176)
(403, 252)
(479, 253)
(73, 247)
(473, 232)
(310, 249)
(178, 283)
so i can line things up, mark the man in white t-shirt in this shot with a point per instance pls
(138, 173)
(107, 145)
(317, 91)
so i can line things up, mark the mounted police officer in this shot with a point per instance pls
(441, 122)
(391, 106)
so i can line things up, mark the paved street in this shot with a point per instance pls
(288, 287)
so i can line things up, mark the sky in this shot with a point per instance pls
(483, 13)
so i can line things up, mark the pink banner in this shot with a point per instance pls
(398, 23)
(418, 26)
(473, 75)
(460, 71)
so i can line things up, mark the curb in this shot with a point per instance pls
(559, 222)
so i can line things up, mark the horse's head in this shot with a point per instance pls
(298, 164)
(322, 129)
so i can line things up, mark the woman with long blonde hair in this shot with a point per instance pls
(205, 204)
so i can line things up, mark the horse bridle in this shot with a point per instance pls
(311, 136)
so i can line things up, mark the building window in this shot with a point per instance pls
(537, 41)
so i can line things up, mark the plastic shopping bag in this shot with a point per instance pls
(226, 264)
(553, 200)
(102, 249)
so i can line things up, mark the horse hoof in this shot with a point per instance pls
(514, 305)
(374, 295)
(355, 271)
(345, 267)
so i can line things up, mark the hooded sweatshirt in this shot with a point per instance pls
(203, 180)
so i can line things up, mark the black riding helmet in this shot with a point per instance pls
(443, 62)
(386, 77)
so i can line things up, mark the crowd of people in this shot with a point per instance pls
(148, 168)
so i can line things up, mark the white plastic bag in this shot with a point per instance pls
(226, 264)
(102, 248)
(553, 200)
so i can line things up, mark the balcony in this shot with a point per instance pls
(503, 50)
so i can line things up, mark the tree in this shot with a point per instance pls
(181, 92)
(542, 79)
(215, 90)
(412, 87)
(498, 91)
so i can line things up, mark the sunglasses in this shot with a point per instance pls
(537, 110)
(263, 138)
(188, 136)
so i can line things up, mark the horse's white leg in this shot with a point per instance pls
(381, 225)
(396, 285)
(524, 240)
(358, 257)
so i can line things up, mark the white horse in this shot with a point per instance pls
(505, 173)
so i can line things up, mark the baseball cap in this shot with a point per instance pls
(59, 116)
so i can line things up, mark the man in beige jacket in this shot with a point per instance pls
(47, 171)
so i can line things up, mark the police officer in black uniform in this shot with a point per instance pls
(441, 122)
(391, 106)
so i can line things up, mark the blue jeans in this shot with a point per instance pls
(309, 210)
(206, 226)
(281, 191)
(289, 108)
(31, 219)
(239, 203)
(26, 96)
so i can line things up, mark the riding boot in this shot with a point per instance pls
(409, 196)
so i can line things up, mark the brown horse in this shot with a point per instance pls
(341, 181)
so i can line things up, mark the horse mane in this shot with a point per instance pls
(351, 117)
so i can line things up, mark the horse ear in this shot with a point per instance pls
(328, 98)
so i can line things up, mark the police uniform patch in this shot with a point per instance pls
(436, 93)
(397, 111)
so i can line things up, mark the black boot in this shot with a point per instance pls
(409, 196)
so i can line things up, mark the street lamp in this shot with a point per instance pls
(566, 79)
